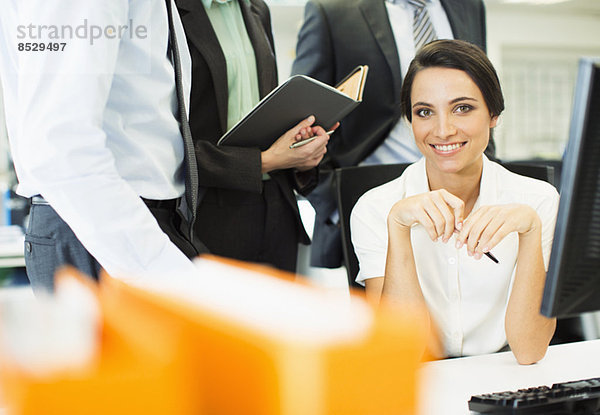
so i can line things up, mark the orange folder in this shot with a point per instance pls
(179, 353)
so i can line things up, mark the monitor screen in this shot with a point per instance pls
(573, 279)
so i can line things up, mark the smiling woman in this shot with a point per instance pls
(451, 122)
(420, 238)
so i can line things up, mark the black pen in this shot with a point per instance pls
(490, 256)
(308, 140)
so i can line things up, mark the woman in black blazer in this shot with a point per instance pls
(245, 213)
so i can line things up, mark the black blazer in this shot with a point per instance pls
(230, 171)
(336, 36)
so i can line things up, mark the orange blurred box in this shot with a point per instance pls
(235, 340)
(132, 373)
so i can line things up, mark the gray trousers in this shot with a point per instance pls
(50, 244)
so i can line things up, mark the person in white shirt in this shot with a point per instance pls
(422, 238)
(90, 104)
(92, 114)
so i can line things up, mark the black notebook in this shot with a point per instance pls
(293, 101)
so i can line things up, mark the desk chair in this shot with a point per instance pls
(353, 182)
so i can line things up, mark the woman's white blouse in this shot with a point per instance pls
(467, 298)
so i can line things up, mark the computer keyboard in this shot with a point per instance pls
(575, 397)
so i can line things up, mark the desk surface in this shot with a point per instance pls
(447, 385)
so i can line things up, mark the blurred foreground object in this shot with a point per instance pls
(235, 339)
(48, 334)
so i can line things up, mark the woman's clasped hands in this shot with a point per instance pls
(441, 214)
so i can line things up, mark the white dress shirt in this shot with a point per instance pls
(467, 298)
(92, 127)
(399, 146)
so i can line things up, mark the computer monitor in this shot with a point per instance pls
(573, 279)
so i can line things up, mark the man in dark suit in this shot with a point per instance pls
(337, 36)
(248, 210)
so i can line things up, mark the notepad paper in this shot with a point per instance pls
(354, 84)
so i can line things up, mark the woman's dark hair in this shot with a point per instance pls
(455, 54)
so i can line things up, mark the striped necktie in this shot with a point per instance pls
(423, 30)
(190, 166)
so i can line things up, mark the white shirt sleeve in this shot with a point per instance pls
(61, 100)
(548, 212)
(368, 230)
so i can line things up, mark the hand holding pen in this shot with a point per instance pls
(305, 137)
(487, 226)
(305, 156)
(441, 214)
(307, 140)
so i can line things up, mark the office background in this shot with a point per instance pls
(535, 46)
